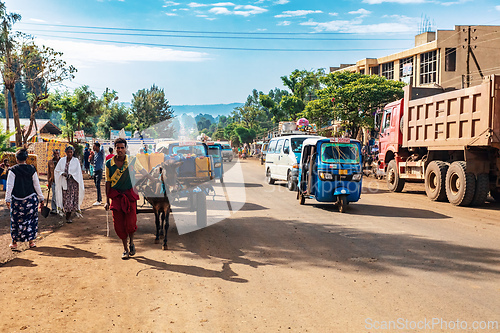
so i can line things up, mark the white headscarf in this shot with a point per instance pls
(74, 170)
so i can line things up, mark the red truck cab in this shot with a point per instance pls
(391, 136)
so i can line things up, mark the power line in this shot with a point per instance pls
(195, 31)
(221, 37)
(216, 47)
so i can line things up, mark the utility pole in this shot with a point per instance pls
(468, 58)
(470, 53)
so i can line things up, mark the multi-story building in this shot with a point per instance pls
(451, 59)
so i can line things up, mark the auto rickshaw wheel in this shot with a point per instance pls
(342, 203)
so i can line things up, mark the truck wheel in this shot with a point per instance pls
(482, 189)
(394, 183)
(460, 185)
(269, 179)
(495, 194)
(290, 183)
(201, 209)
(342, 203)
(435, 180)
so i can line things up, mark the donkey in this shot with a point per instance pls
(156, 193)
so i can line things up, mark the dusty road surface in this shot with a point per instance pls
(273, 266)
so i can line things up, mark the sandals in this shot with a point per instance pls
(32, 244)
(69, 221)
(125, 255)
(13, 246)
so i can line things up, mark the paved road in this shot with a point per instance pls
(272, 266)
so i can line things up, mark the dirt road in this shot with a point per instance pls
(273, 266)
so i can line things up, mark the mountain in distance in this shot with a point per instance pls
(211, 109)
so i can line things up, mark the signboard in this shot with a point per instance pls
(115, 134)
(340, 140)
(407, 69)
(80, 135)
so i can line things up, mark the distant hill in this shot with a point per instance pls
(211, 109)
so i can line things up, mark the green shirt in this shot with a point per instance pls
(121, 179)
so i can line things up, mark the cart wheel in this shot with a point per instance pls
(201, 209)
(342, 203)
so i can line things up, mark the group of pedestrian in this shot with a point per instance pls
(65, 179)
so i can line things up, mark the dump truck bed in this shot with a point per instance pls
(454, 120)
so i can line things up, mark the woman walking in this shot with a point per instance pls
(23, 196)
(69, 184)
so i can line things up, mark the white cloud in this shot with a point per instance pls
(171, 14)
(333, 14)
(218, 4)
(285, 23)
(295, 13)
(356, 26)
(37, 20)
(497, 8)
(238, 10)
(83, 54)
(362, 12)
(282, 2)
(377, 2)
(170, 3)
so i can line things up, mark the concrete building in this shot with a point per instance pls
(451, 59)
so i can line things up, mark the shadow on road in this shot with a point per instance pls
(19, 262)
(269, 241)
(68, 251)
(384, 211)
(226, 273)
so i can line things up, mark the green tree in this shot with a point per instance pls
(303, 84)
(115, 116)
(291, 106)
(356, 97)
(9, 66)
(249, 115)
(5, 141)
(150, 107)
(245, 135)
(42, 68)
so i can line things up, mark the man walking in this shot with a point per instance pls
(98, 169)
(120, 172)
(56, 156)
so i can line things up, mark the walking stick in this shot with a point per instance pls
(107, 222)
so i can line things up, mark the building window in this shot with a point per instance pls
(428, 67)
(362, 71)
(388, 70)
(450, 59)
(406, 70)
(374, 70)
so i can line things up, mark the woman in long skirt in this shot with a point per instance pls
(69, 184)
(23, 196)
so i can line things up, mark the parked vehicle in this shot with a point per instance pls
(215, 151)
(227, 152)
(263, 153)
(330, 171)
(450, 141)
(282, 159)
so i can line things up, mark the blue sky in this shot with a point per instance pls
(189, 60)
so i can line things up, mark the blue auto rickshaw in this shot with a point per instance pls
(215, 151)
(330, 170)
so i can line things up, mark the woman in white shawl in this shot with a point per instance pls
(69, 184)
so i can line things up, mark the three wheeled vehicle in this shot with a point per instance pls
(215, 151)
(330, 170)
